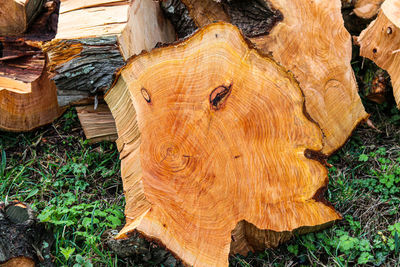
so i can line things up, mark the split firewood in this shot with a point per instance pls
(319, 59)
(380, 42)
(16, 15)
(97, 123)
(213, 137)
(23, 242)
(28, 98)
(95, 37)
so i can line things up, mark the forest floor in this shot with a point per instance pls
(76, 189)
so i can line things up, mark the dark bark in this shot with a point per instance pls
(88, 71)
(253, 17)
(21, 236)
(140, 250)
(179, 16)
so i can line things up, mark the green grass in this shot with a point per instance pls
(76, 190)
(74, 187)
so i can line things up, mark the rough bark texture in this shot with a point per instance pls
(319, 59)
(178, 14)
(22, 241)
(90, 69)
(139, 249)
(97, 123)
(86, 52)
(209, 141)
(16, 15)
(380, 42)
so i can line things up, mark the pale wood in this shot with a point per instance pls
(98, 124)
(16, 15)
(210, 134)
(380, 42)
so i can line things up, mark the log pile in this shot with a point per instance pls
(17, 15)
(223, 129)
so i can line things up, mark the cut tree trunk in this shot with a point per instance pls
(309, 39)
(16, 15)
(380, 42)
(213, 137)
(98, 124)
(95, 37)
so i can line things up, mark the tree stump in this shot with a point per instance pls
(213, 137)
(380, 42)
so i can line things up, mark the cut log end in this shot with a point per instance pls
(380, 42)
(207, 142)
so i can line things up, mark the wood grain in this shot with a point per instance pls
(212, 134)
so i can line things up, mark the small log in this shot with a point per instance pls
(380, 42)
(16, 15)
(95, 37)
(98, 124)
(212, 134)
(28, 98)
(319, 59)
